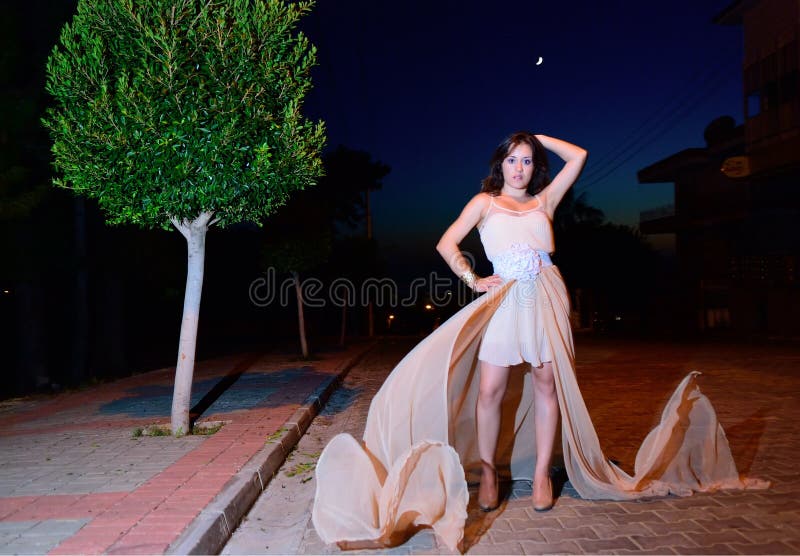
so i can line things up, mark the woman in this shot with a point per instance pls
(514, 188)
(452, 407)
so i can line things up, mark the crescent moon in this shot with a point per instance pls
(540, 61)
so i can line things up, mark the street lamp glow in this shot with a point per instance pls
(428, 307)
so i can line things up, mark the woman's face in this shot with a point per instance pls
(518, 166)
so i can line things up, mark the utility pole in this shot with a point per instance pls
(370, 308)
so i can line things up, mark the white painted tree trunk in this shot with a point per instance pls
(301, 319)
(195, 233)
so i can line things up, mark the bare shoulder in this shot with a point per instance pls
(479, 203)
(474, 210)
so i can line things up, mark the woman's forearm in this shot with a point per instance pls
(565, 150)
(453, 256)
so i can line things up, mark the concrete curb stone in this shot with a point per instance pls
(212, 528)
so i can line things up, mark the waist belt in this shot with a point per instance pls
(521, 262)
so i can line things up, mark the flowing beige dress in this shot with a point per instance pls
(420, 444)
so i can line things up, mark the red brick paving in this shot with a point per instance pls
(147, 519)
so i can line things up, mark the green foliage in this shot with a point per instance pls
(170, 108)
(302, 235)
(207, 429)
(276, 436)
(151, 430)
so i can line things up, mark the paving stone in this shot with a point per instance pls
(605, 531)
(597, 521)
(16, 527)
(34, 545)
(738, 523)
(641, 517)
(685, 526)
(618, 543)
(56, 527)
(500, 548)
(701, 500)
(639, 551)
(531, 534)
(721, 537)
(705, 549)
(531, 547)
(775, 547)
(525, 524)
(569, 534)
(662, 541)
(601, 508)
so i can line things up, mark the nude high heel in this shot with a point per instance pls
(488, 493)
(543, 497)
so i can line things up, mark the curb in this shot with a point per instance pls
(214, 525)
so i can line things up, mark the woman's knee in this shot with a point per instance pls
(494, 379)
(544, 381)
(491, 393)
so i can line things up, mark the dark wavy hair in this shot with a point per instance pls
(493, 183)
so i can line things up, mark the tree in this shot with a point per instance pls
(350, 176)
(184, 113)
(306, 248)
(609, 265)
(303, 234)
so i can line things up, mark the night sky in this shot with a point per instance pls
(430, 88)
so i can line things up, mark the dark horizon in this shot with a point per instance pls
(430, 91)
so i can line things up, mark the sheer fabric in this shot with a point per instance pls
(419, 444)
(420, 437)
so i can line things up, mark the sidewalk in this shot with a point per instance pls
(76, 477)
(755, 390)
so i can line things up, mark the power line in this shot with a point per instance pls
(661, 121)
(643, 144)
(645, 127)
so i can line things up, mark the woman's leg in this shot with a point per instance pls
(493, 382)
(546, 416)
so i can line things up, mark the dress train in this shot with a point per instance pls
(419, 444)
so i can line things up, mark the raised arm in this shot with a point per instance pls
(574, 157)
(458, 230)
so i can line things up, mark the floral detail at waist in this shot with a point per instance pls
(520, 262)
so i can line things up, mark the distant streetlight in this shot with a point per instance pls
(428, 307)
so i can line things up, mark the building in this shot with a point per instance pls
(736, 213)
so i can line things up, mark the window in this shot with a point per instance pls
(753, 104)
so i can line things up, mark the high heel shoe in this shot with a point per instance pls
(488, 493)
(543, 497)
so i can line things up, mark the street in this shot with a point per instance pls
(754, 389)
